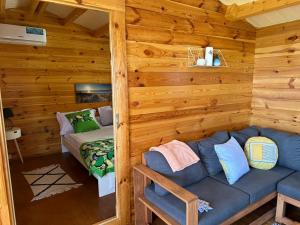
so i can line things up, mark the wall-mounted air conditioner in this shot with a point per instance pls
(23, 35)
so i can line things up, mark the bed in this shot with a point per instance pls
(73, 142)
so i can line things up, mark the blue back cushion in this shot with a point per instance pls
(207, 152)
(190, 175)
(288, 147)
(243, 135)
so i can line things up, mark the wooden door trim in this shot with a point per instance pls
(116, 9)
(7, 215)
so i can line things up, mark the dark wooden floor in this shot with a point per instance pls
(80, 206)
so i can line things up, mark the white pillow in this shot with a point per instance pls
(65, 125)
(106, 115)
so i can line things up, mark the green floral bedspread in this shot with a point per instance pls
(99, 156)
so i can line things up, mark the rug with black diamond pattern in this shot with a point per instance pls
(49, 181)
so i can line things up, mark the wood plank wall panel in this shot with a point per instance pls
(37, 82)
(167, 99)
(276, 95)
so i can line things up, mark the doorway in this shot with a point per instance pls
(119, 115)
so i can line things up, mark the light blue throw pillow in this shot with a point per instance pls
(232, 159)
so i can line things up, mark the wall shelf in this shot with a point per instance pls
(195, 53)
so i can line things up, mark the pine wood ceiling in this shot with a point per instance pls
(95, 21)
(269, 18)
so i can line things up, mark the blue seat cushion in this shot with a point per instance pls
(290, 186)
(190, 175)
(288, 147)
(207, 152)
(225, 200)
(243, 135)
(258, 183)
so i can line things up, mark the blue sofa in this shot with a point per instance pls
(173, 196)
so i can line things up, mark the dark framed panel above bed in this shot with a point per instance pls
(116, 9)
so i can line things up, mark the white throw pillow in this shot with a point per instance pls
(106, 115)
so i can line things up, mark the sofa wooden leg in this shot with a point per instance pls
(149, 218)
(148, 212)
(281, 207)
(192, 213)
(141, 211)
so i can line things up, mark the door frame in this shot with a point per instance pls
(116, 10)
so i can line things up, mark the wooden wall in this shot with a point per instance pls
(168, 100)
(37, 82)
(276, 95)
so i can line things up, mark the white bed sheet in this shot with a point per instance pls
(76, 140)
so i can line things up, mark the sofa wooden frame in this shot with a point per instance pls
(282, 200)
(142, 176)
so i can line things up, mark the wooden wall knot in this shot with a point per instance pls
(214, 102)
(135, 103)
(293, 38)
(192, 26)
(120, 124)
(235, 36)
(291, 50)
(291, 83)
(161, 140)
(148, 52)
(124, 180)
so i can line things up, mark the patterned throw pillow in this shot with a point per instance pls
(83, 121)
(262, 153)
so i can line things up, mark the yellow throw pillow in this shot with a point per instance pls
(261, 152)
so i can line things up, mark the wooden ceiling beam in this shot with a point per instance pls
(102, 31)
(41, 8)
(105, 5)
(240, 12)
(32, 8)
(76, 13)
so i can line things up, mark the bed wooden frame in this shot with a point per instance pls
(142, 176)
(108, 178)
(116, 9)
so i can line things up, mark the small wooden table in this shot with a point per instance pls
(13, 134)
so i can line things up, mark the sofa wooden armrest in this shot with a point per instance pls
(142, 175)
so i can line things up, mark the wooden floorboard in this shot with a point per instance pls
(79, 206)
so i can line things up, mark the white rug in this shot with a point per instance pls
(48, 181)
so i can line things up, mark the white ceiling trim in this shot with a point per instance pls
(238, 2)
